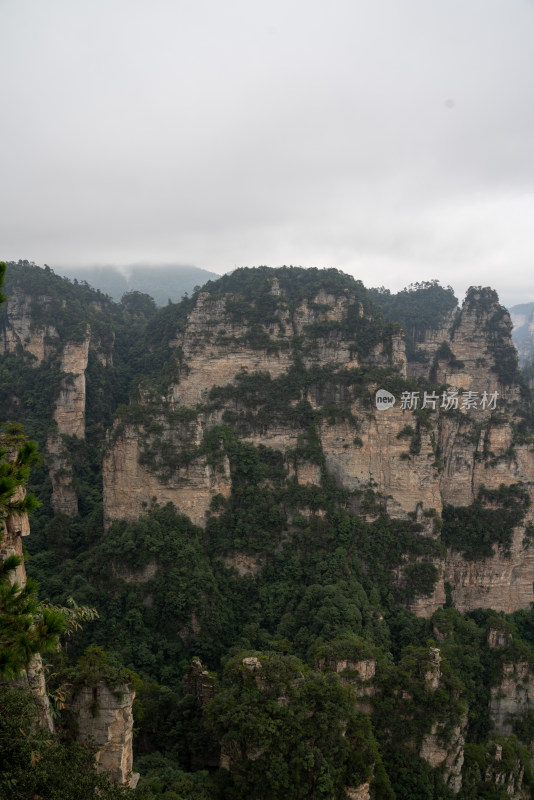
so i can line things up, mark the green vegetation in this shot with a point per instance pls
(299, 577)
(418, 308)
(33, 762)
(293, 732)
(473, 530)
(37, 763)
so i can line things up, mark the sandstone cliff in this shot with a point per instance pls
(416, 459)
(112, 723)
(104, 715)
(12, 529)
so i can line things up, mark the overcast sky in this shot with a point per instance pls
(393, 139)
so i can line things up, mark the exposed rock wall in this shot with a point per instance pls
(69, 413)
(20, 329)
(129, 488)
(513, 696)
(507, 777)
(105, 716)
(12, 530)
(457, 453)
(502, 583)
(360, 675)
(379, 459)
(449, 757)
(69, 416)
(25, 327)
(441, 747)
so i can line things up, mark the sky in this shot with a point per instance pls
(392, 139)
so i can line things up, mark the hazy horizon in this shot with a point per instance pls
(390, 140)
(126, 271)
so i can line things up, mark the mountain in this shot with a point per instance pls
(319, 595)
(162, 283)
(523, 320)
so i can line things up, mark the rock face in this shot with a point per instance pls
(417, 460)
(105, 716)
(129, 487)
(416, 464)
(359, 674)
(513, 697)
(12, 530)
(112, 723)
(69, 416)
(20, 329)
(449, 757)
(507, 777)
(439, 750)
(43, 327)
(69, 413)
(362, 792)
(503, 583)
(200, 683)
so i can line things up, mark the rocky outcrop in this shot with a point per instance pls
(449, 756)
(104, 715)
(26, 326)
(33, 678)
(129, 488)
(213, 349)
(508, 777)
(12, 529)
(523, 321)
(69, 416)
(381, 459)
(513, 696)
(69, 413)
(442, 747)
(362, 792)
(413, 463)
(64, 499)
(20, 329)
(503, 583)
(499, 636)
(359, 674)
(200, 683)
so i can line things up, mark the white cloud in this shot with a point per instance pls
(389, 139)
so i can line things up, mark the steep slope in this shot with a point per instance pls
(295, 369)
(305, 520)
(67, 356)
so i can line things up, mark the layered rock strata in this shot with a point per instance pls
(415, 463)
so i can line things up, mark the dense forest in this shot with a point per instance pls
(244, 636)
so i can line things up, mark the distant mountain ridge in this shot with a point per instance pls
(163, 283)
